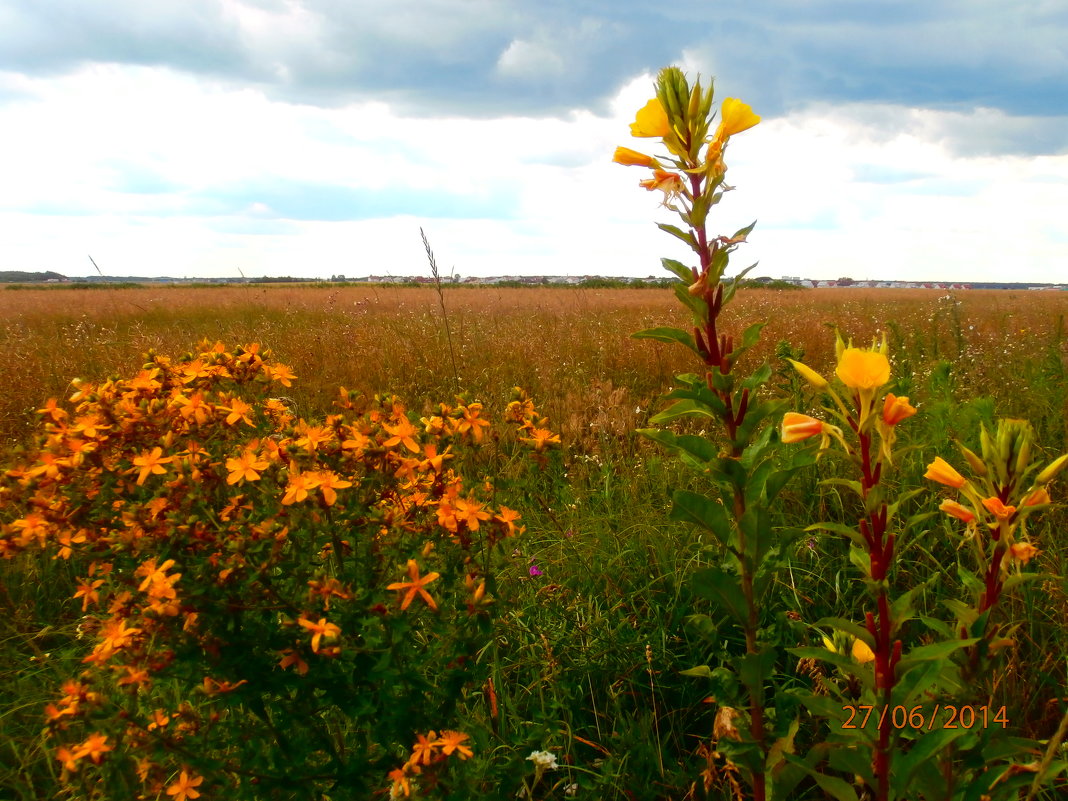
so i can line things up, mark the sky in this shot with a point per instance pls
(899, 140)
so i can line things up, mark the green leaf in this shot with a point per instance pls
(1020, 578)
(668, 334)
(706, 512)
(757, 377)
(925, 748)
(902, 609)
(925, 653)
(838, 789)
(683, 408)
(840, 528)
(701, 671)
(721, 587)
(675, 231)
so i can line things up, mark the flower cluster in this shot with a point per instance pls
(999, 497)
(221, 538)
(428, 752)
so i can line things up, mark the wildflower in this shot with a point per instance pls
(998, 509)
(68, 759)
(151, 463)
(94, 747)
(651, 120)
(941, 471)
(245, 467)
(452, 741)
(402, 783)
(896, 409)
(320, 630)
(541, 438)
(862, 652)
(669, 183)
(797, 427)
(863, 370)
(328, 481)
(87, 592)
(954, 509)
(471, 421)
(734, 117)
(423, 750)
(238, 410)
(416, 586)
(184, 788)
(402, 434)
(534, 569)
(632, 158)
(470, 512)
(298, 486)
(291, 657)
(280, 373)
(1023, 552)
(508, 517)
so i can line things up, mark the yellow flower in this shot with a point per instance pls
(735, 117)
(896, 409)
(1039, 496)
(451, 741)
(798, 427)
(941, 471)
(245, 468)
(632, 158)
(863, 370)
(651, 120)
(862, 652)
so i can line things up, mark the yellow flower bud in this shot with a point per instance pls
(1052, 469)
(811, 376)
(632, 158)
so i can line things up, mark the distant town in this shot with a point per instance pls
(785, 282)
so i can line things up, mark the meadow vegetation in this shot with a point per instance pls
(271, 545)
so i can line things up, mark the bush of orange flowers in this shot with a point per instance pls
(272, 607)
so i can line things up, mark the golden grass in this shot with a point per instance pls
(570, 347)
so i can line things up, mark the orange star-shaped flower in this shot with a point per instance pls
(415, 586)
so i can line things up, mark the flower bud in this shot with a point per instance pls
(977, 465)
(1051, 470)
(797, 427)
(811, 376)
(954, 509)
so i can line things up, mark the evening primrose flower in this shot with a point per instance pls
(1023, 552)
(735, 117)
(896, 409)
(669, 183)
(954, 509)
(798, 427)
(651, 120)
(941, 471)
(632, 158)
(863, 370)
(997, 508)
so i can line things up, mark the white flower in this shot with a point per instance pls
(571, 789)
(543, 760)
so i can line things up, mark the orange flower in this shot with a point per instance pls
(328, 481)
(999, 509)
(896, 409)
(541, 438)
(451, 741)
(94, 747)
(632, 158)
(415, 586)
(238, 410)
(941, 471)
(320, 630)
(298, 486)
(1023, 552)
(1039, 496)
(423, 750)
(669, 183)
(954, 509)
(651, 120)
(797, 427)
(402, 434)
(245, 467)
(184, 788)
(151, 462)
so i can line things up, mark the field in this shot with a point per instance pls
(595, 614)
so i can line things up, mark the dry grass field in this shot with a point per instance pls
(570, 347)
